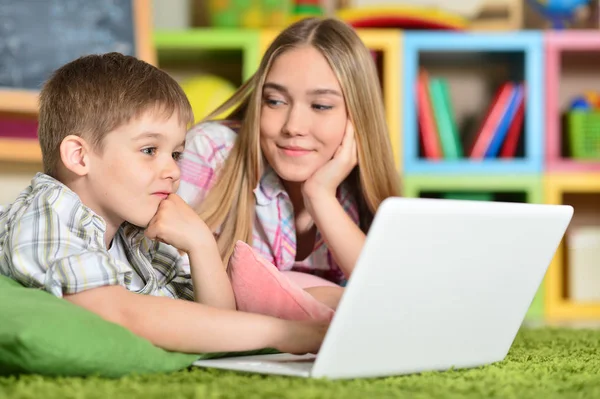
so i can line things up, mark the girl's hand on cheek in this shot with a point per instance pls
(326, 179)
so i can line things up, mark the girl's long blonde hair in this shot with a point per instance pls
(230, 203)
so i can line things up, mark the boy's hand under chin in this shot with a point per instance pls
(327, 178)
(177, 224)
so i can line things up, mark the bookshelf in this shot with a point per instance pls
(470, 62)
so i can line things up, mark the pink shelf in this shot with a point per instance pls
(556, 43)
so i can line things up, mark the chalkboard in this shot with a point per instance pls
(38, 36)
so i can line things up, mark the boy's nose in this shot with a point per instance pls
(172, 170)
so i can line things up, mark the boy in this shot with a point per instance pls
(101, 226)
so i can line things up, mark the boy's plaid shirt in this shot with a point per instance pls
(50, 240)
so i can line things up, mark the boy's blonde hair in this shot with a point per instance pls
(230, 203)
(95, 94)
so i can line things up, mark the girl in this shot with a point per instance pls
(303, 160)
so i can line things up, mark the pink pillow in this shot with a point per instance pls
(305, 280)
(260, 288)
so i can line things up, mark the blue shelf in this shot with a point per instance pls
(530, 44)
(491, 167)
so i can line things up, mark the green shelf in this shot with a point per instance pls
(203, 39)
(531, 186)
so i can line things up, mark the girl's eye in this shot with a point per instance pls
(177, 155)
(272, 102)
(149, 150)
(320, 107)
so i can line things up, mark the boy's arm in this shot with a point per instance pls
(184, 326)
(210, 280)
(198, 276)
(177, 224)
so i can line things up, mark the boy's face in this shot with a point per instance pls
(136, 169)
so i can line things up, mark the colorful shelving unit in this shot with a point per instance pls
(478, 50)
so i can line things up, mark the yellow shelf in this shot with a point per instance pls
(557, 307)
(20, 150)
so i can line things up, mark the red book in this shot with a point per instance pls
(509, 147)
(430, 141)
(490, 122)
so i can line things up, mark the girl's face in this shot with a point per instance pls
(303, 114)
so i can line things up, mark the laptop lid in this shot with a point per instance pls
(440, 284)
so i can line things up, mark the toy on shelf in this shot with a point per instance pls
(206, 93)
(464, 8)
(250, 13)
(305, 9)
(589, 101)
(560, 13)
(584, 126)
(498, 15)
(403, 17)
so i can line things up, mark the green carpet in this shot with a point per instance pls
(543, 363)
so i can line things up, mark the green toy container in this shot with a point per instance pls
(250, 13)
(584, 134)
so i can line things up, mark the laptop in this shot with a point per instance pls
(439, 284)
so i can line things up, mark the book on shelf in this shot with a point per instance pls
(429, 138)
(497, 136)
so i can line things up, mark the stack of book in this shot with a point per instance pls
(497, 135)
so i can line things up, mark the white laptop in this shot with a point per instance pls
(439, 284)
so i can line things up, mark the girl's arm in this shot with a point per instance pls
(343, 237)
(184, 326)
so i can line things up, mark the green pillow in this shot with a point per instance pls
(43, 334)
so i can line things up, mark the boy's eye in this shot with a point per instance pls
(177, 155)
(320, 107)
(149, 150)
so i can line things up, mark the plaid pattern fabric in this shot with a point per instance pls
(50, 240)
(274, 233)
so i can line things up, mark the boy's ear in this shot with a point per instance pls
(74, 154)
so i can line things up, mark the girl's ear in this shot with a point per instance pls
(74, 154)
